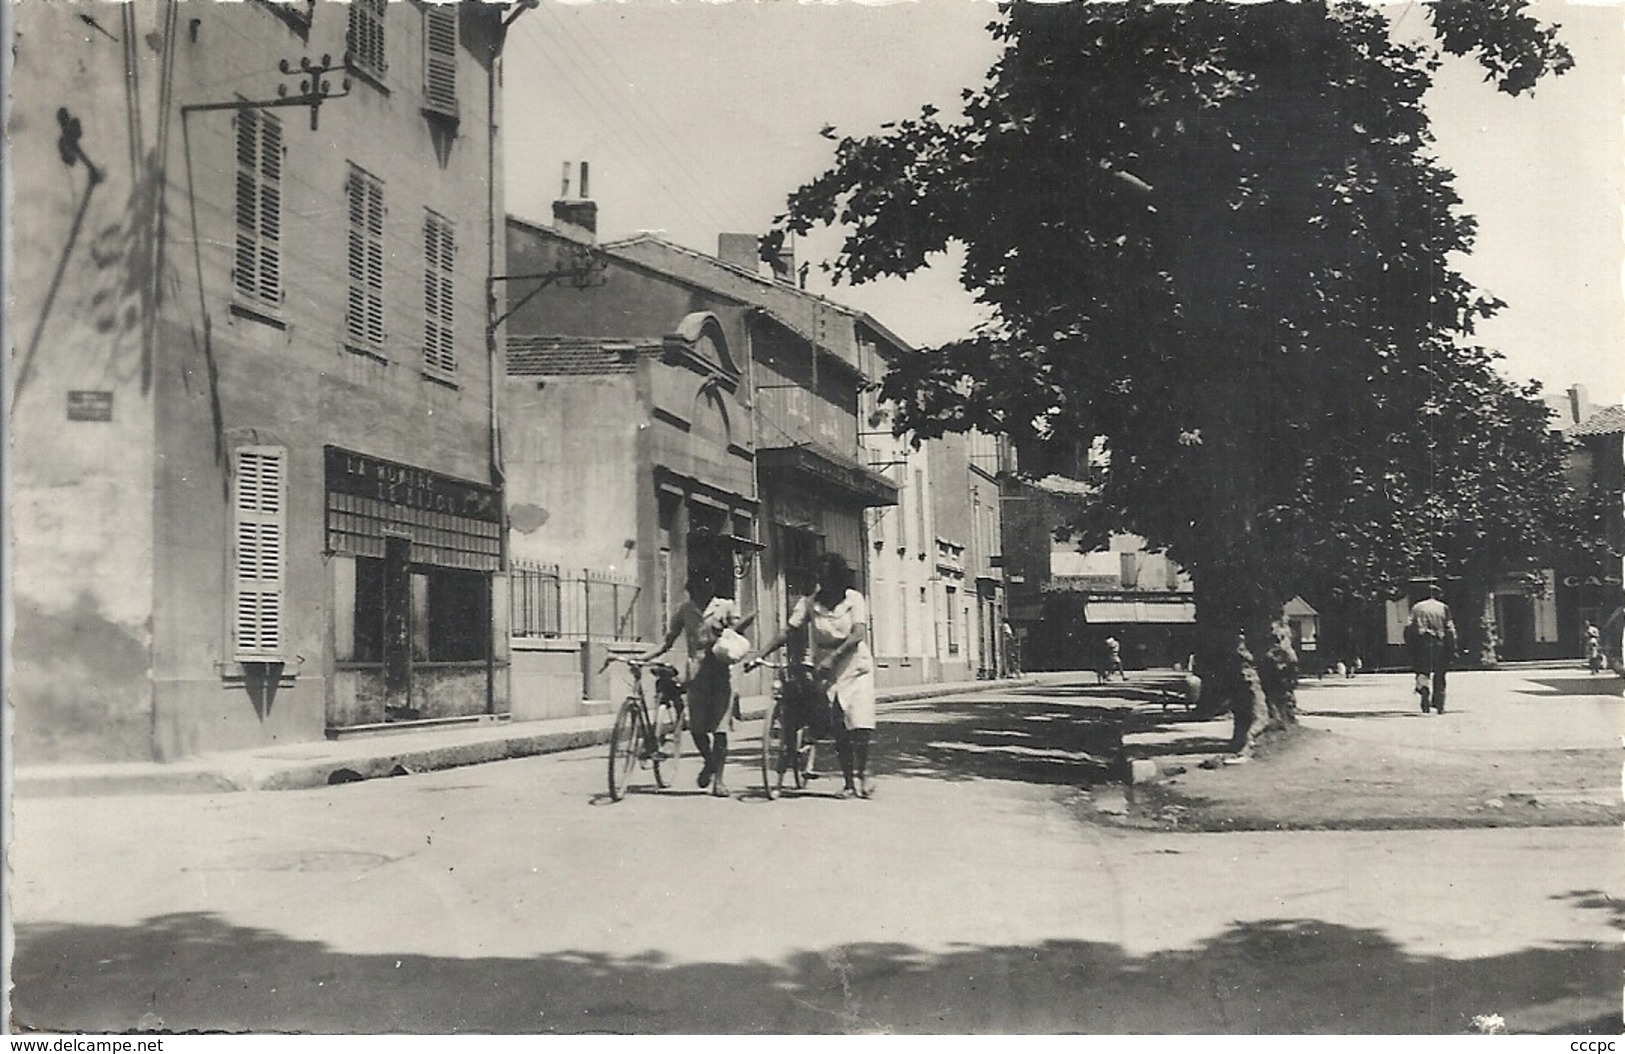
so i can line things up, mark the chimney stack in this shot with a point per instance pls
(577, 217)
(1579, 403)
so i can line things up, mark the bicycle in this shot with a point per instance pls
(640, 739)
(790, 732)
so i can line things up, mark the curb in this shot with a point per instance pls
(331, 762)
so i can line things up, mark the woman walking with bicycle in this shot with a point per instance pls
(700, 620)
(836, 617)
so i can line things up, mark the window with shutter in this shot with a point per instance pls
(259, 508)
(440, 60)
(439, 259)
(364, 318)
(257, 263)
(366, 37)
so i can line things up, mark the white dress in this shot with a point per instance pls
(854, 683)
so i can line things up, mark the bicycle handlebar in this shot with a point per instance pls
(637, 665)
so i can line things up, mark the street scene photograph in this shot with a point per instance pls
(620, 518)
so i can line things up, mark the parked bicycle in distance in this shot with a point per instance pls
(645, 739)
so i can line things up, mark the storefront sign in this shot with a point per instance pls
(1085, 584)
(412, 488)
(1575, 581)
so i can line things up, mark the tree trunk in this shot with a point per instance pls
(1476, 621)
(1245, 657)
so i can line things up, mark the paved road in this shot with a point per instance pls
(1519, 709)
(968, 896)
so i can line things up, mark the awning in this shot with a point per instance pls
(849, 477)
(1099, 612)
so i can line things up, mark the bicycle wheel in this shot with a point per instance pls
(668, 743)
(626, 742)
(778, 753)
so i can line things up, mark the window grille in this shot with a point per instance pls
(547, 601)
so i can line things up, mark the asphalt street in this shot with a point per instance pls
(969, 896)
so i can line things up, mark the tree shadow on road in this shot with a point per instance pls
(1036, 739)
(1287, 976)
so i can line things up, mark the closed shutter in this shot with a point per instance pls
(259, 558)
(257, 262)
(366, 36)
(440, 59)
(364, 321)
(439, 261)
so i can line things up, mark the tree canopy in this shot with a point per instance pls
(1214, 237)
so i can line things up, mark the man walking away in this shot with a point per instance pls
(1431, 635)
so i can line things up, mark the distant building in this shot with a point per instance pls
(681, 413)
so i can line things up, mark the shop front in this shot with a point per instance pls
(414, 559)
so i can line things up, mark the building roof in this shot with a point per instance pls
(797, 310)
(1610, 420)
(581, 356)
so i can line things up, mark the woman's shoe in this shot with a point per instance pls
(718, 790)
(849, 791)
(866, 788)
(705, 776)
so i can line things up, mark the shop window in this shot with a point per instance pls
(450, 620)
(458, 619)
(369, 610)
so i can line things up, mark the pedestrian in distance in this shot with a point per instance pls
(1593, 638)
(1431, 637)
(836, 617)
(1114, 659)
(708, 685)
(1012, 657)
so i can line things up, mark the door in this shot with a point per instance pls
(1515, 626)
(397, 629)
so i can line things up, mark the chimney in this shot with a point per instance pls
(740, 250)
(577, 217)
(1579, 403)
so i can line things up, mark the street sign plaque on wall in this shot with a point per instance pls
(90, 406)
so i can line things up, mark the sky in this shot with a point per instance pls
(699, 117)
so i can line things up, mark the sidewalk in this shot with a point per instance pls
(302, 765)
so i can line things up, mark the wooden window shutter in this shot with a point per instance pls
(440, 59)
(270, 276)
(364, 319)
(259, 557)
(257, 261)
(366, 36)
(245, 265)
(439, 262)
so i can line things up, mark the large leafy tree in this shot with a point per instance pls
(1212, 237)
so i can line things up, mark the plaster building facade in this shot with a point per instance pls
(254, 494)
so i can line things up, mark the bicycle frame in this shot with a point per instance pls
(643, 737)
